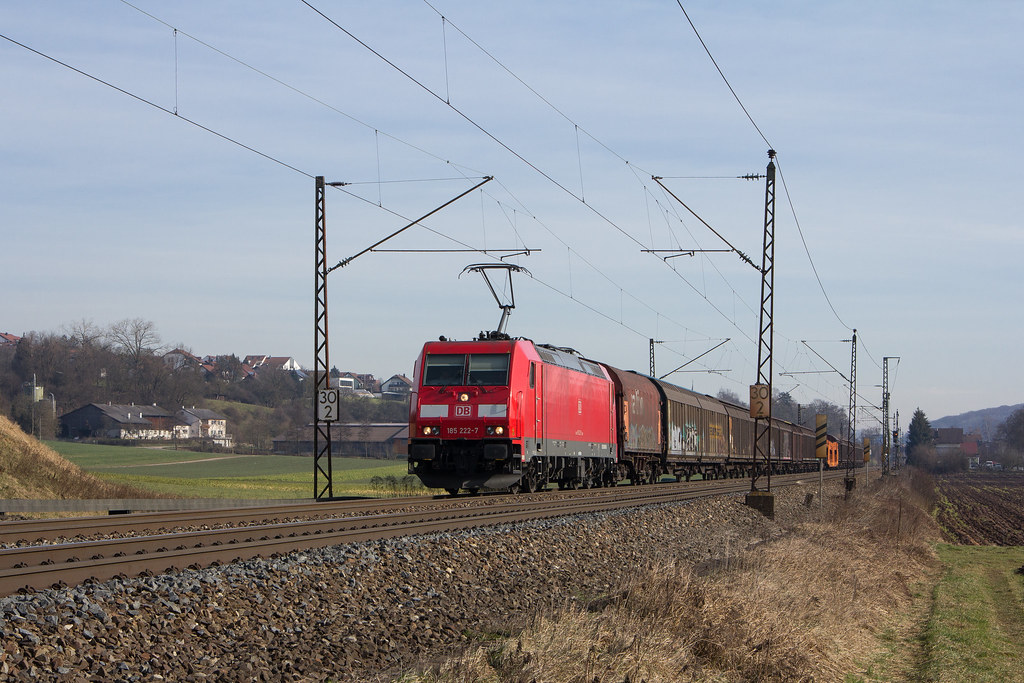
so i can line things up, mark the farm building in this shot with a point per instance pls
(115, 421)
(353, 440)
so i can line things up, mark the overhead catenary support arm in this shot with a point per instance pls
(744, 257)
(689, 361)
(345, 262)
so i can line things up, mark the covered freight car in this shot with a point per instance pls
(640, 433)
(665, 429)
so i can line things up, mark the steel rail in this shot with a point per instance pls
(40, 567)
(40, 555)
(13, 531)
(36, 530)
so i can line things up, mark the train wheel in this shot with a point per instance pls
(474, 491)
(452, 492)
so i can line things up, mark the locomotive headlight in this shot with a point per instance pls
(499, 430)
(431, 431)
(463, 397)
(494, 431)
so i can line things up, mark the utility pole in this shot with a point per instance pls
(896, 440)
(886, 436)
(852, 422)
(653, 342)
(322, 368)
(761, 393)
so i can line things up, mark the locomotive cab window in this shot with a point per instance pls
(444, 369)
(488, 369)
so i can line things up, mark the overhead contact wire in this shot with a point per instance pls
(473, 123)
(138, 98)
(722, 74)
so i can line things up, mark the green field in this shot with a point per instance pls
(190, 474)
(977, 621)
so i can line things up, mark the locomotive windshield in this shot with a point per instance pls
(457, 369)
(444, 369)
(488, 369)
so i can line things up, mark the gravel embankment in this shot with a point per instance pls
(362, 611)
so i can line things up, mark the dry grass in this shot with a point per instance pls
(809, 607)
(30, 470)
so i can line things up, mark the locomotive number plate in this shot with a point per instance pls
(460, 431)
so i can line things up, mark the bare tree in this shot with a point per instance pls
(83, 333)
(134, 337)
(729, 396)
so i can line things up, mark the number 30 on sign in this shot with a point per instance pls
(327, 405)
(760, 401)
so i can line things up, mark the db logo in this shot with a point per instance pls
(463, 411)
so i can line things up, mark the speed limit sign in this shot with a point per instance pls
(327, 405)
(760, 401)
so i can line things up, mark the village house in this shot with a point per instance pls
(952, 442)
(200, 423)
(396, 387)
(179, 358)
(259, 362)
(358, 384)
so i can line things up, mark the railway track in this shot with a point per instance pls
(244, 534)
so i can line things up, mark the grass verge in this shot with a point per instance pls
(29, 469)
(976, 628)
(808, 607)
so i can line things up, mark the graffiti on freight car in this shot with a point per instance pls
(716, 437)
(639, 433)
(685, 439)
(692, 438)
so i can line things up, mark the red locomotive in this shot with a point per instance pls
(509, 414)
(506, 413)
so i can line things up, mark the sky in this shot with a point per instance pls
(158, 162)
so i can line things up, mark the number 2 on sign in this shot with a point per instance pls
(327, 405)
(760, 401)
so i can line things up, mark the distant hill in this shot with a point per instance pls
(984, 421)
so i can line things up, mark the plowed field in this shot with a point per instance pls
(982, 509)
